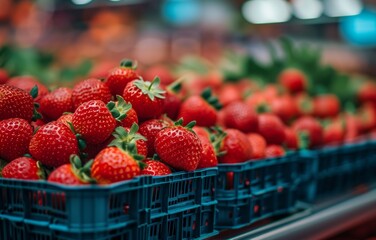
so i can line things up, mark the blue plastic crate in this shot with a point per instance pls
(254, 190)
(17, 229)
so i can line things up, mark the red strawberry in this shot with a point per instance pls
(293, 80)
(23, 168)
(72, 173)
(284, 107)
(54, 104)
(258, 145)
(155, 168)
(147, 98)
(258, 100)
(202, 133)
(311, 127)
(94, 121)
(202, 109)
(209, 158)
(236, 147)
(113, 164)
(240, 116)
(131, 118)
(3, 76)
(90, 89)
(162, 72)
(129, 114)
(150, 129)
(27, 83)
(352, 130)
(172, 101)
(53, 144)
(38, 123)
(211, 145)
(119, 77)
(304, 104)
(271, 128)
(130, 136)
(325, 106)
(367, 93)
(228, 94)
(334, 132)
(16, 103)
(367, 117)
(291, 140)
(66, 119)
(179, 147)
(15, 135)
(274, 151)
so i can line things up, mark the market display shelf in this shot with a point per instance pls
(322, 220)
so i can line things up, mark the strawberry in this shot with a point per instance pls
(15, 137)
(72, 173)
(274, 151)
(258, 100)
(209, 158)
(236, 147)
(229, 93)
(304, 104)
(325, 106)
(202, 109)
(130, 136)
(293, 80)
(53, 144)
(271, 128)
(3, 76)
(16, 103)
(150, 129)
(155, 168)
(95, 121)
(352, 125)
(147, 98)
(258, 145)
(334, 132)
(27, 83)
(367, 117)
(211, 145)
(114, 164)
(311, 127)
(172, 101)
(162, 72)
(90, 89)
(119, 77)
(367, 93)
(291, 140)
(54, 104)
(179, 146)
(284, 107)
(66, 119)
(23, 168)
(240, 116)
(202, 133)
(129, 115)
(130, 118)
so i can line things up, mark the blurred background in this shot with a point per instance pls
(78, 34)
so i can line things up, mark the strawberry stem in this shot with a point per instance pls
(127, 63)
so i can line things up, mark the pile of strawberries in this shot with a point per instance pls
(133, 123)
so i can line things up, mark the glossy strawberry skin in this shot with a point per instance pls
(209, 158)
(179, 148)
(240, 116)
(228, 94)
(237, 147)
(291, 140)
(4, 77)
(312, 127)
(65, 175)
(325, 106)
(333, 133)
(54, 104)
(142, 104)
(26, 83)
(155, 168)
(150, 129)
(118, 78)
(293, 80)
(271, 128)
(66, 119)
(202, 133)
(90, 89)
(258, 145)
(93, 121)
(172, 105)
(274, 151)
(15, 103)
(53, 144)
(114, 165)
(22, 168)
(195, 108)
(15, 137)
(367, 93)
(284, 107)
(352, 128)
(131, 118)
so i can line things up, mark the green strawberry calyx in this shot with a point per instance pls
(262, 108)
(189, 126)
(151, 89)
(119, 109)
(210, 98)
(128, 63)
(81, 172)
(303, 140)
(126, 140)
(176, 86)
(216, 139)
(34, 94)
(43, 172)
